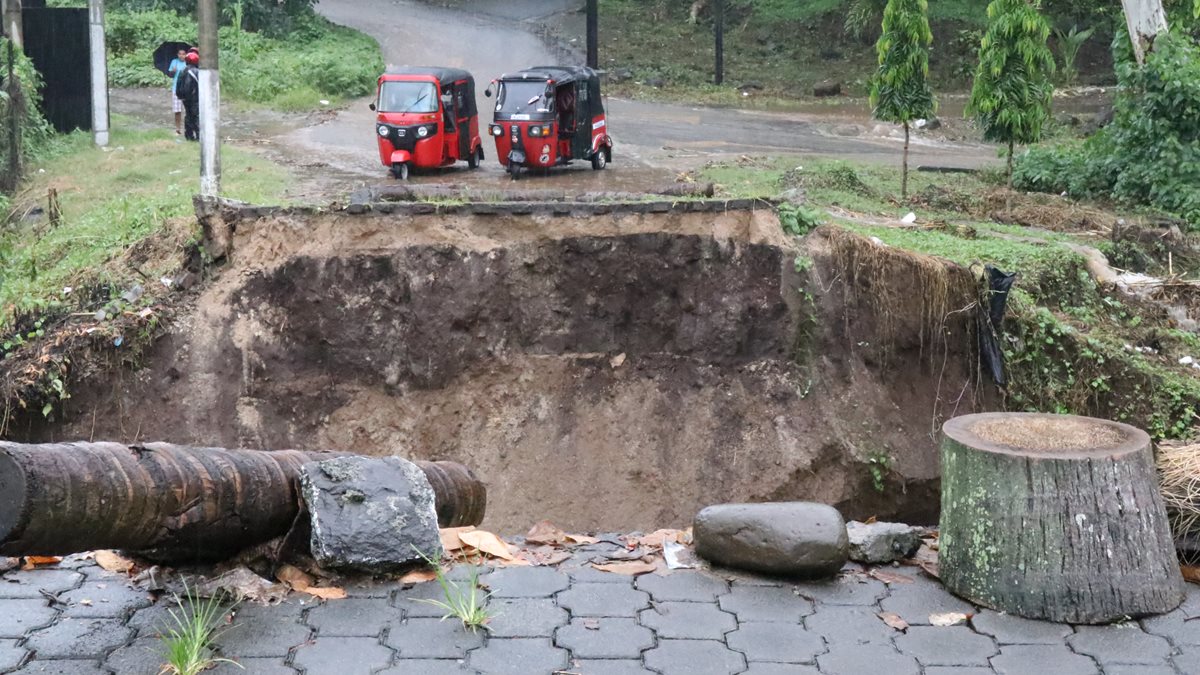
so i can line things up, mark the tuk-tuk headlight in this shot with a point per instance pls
(422, 132)
(383, 131)
(496, 130)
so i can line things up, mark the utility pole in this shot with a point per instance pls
(15, 111)
(593, 34)
(1145, 20)
(99, 61)
(12, 22)
(210, 102)
(719, 33)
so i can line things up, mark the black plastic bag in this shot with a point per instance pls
(990, 320)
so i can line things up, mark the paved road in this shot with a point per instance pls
(85, 621)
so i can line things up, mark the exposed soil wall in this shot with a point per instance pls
(602, 371)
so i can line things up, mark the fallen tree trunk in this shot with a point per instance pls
(1055, 517)
(199, 503)
(414, 193)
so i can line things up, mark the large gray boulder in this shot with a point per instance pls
(878, 543)
(799, 539)
(369, 514)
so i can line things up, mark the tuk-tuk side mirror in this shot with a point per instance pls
(488, 92)
(371, 106)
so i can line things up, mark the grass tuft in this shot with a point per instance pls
(465, 600)
(188, 640)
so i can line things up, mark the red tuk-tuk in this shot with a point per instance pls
(548, 116)
(426, 117)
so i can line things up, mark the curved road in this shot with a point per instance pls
(653, 141)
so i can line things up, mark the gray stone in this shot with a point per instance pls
(766, 603)
(1120, 645)
(878, 543)
(611, 667)
(31, 583)
(607, 638)
(776, 642)
(10, 654)
(688, 620)
(525, 618)
(1010, 630)
(694, 657)
(603, 600)
(104, 599)
(427, 667)
(527, 582)
(844, 589)
(917, 601)
(19, 616)
(432, 639)
(1057, 659)
(343, 655)
(847, 659)
(517, 656)
(682, 586)
(793, 538)
(369, 514)
(851, 625)
(78, 639)
(946, 646)
(254, 666)
(270, 635)
(63, 667)
(352, 617)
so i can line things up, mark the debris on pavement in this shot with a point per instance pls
(802, 539)
(240, 584)
(877, 543)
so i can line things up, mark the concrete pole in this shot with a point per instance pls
(719, 35)
(593, 34)
(210, 102)
(99, 60)
(12, 22)
(1145, 20)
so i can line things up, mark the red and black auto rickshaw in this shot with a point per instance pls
(548, 116)
(426, 117)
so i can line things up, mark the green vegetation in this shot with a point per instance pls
(19, 105)
(879, 464)
(1069, 44)
(188, 639)
(465, 601)
(133, 196)
(900, 90)
(1012, 92)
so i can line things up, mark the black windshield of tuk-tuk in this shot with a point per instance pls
(408, 97)
(524, 98)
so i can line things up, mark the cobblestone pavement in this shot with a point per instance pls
(81, 620)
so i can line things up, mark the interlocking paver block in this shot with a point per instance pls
(10, 654)
(114, 598)
(776, 642)
(688, 620)
(761, 668)
(78, 639)
(682, 586)
(850, 625)
(846, 589)
(1175, 627)
(527, 582)
(1140, 670)
(413, 601)
(1057, 659)
(861, 659)
(343, 655)
(518, 656)
(1016, 630)
(19, 616)
(427, 667)
(917, 601)
(958, 670)
(352, 617)
(611, 667)
(252, 666)
(288, 611)
(603, 600)
(1187, 660)
(31, 583)
(694, 657)
(946, 646)
(265, 636)
(144, 655)
(525, 618)
(370, 588)
(432, 639)
(608, 638)
(63, 667)
(1113, 645)
(766, 603)
(590, 575)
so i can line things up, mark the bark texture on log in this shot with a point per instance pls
(200, 503)
(1055, 517)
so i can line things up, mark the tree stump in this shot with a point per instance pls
(1055, 517)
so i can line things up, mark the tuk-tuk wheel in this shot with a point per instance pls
(400, 170)
(599, 159)
(473, 160)
(514, 170)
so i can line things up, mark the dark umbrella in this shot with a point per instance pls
(166, 53)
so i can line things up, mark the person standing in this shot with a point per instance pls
(174, 71)
(188, 91)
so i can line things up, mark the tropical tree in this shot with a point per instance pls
(1012, 93)
(900, 89)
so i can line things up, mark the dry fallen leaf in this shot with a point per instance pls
(326, 593)
(617, 360)
(948, 619)
(545, 532)
(889, 577)
(32, 561)
(486, 542)
(629, 567)
(418, 576)
(451, 540)
(894, 620)
(85, 602)
(113, 561)
(931, 568)
(870, 521)
(1190, 573)
(294, 577)
(581, 539)
(656, 538)
(591, 624)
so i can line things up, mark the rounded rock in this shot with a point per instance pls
(800, 539)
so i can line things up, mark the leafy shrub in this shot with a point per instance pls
(21, 108)
(799, 220)
(273, 17)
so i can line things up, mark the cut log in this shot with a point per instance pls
(174, 501)
(1055, 517)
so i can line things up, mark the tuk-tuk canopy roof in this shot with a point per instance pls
(443, 75)
(560, 74)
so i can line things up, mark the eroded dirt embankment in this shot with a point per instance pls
(606, 372)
